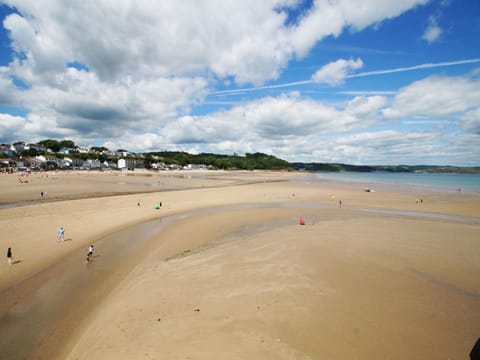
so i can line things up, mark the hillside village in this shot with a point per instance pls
(22, 156)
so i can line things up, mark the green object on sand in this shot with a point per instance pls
(157, 206)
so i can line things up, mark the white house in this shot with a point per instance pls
(122, 164)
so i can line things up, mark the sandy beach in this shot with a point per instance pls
(223, 270)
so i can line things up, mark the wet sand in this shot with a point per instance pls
(380, 277)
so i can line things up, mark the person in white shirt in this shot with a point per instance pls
(61, 234)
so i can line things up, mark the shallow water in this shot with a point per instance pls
(412, 182)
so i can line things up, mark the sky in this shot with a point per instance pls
(371, 82)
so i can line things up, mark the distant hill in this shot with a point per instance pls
(334, 167)
(260, 161)
(256, 161)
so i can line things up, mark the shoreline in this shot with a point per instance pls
(266, 195)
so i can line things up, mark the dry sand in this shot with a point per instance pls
(382, 277)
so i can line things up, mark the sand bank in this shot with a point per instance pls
(252, 282)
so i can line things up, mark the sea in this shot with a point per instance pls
(416, 182)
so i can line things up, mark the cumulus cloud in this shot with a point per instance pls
(334, 73)
(284, 117)
(272, 124)
(366, 107)
(83, 106)
(435, 96)
(248, 40)
(11, 127)
(380, 147)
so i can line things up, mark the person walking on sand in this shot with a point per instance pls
(61, 234)
(90, 253)
(9, 256)
(90, 250)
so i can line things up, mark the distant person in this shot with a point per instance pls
(61, 234)
(41, 194)
(90, 250)
(340, 203)
(90, 253)
(9, 256)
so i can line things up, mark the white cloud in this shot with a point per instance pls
(84, 104)
(334, 73)
(435, 96)
(381, 147)
(11, 127)
(267, 123)
(433, 31)
(366, 108)
(331, 17)
(470, 121)
(7, 90)
(247, 40)
(360, 14)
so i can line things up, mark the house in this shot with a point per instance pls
(121, 164)
(81, 150)
(6, 149)
(66, 163)
(37, 147)
(29, 163)
(92, 164)
(195, 167)
(19, 147)
(7, 165)
(77, 163)
(127, 163)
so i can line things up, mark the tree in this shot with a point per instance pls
(51, 144)
(31, 152)
(69, 144)
(98, 148)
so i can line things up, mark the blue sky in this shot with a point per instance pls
(371, 82)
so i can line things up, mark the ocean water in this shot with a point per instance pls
(406, 181)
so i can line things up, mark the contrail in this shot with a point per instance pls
(411, 68)
(367, 73)
(303, 82)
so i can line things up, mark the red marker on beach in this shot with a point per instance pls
(302, 222)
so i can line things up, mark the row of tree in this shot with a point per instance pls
(254, 161)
